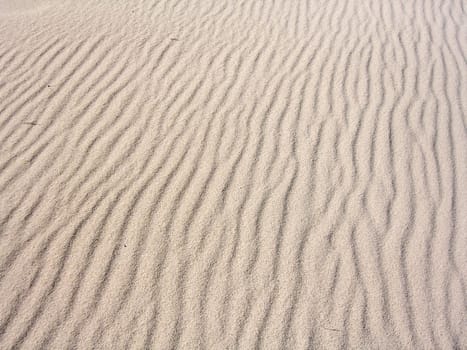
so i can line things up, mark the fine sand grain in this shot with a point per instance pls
(215, 174)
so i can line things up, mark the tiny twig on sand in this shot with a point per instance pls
(332, 329)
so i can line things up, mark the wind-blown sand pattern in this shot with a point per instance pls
(233, 174)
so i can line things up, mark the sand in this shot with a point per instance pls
(233, 174)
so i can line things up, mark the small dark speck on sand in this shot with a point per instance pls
(30, 123)
(174, 39)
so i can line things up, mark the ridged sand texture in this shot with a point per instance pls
(274, 174)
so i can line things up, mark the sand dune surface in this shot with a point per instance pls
(233, 174)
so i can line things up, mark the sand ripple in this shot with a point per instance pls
(233, 174)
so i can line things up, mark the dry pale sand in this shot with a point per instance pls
(252, 174)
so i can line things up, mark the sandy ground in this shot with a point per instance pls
(253, 174)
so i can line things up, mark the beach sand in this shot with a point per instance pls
(233, 174)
